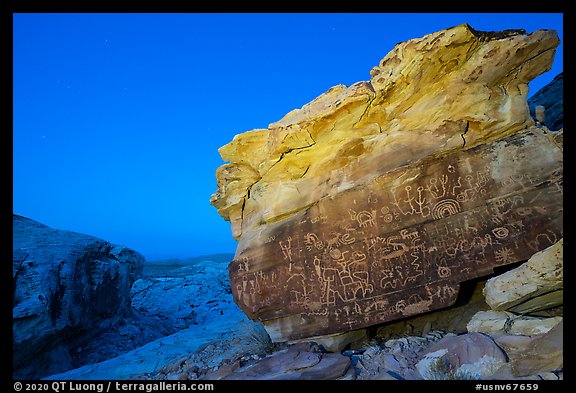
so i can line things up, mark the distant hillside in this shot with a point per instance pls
(178, 267)
(217, 258)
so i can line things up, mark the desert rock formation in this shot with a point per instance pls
(375, 201)
(66, 286)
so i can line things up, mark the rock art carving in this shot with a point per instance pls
(392, 211)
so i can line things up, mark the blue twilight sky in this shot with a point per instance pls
(118, 117)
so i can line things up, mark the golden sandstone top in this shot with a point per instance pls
(447, 90)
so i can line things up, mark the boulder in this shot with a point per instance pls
(532, 355)
(501, 322)
(299, 361)
(67, 287)
(551, 99)
(535, 285)
(374, 201)
(466, 356)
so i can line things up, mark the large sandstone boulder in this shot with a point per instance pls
(66, 286)
(374, 201)
(535, 285)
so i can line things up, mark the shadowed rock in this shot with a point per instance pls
(66, 287)
(551, 98)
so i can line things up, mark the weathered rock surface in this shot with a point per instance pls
(374, 201)
(551, 98)
(189, 295)
(453, 319)
(299, 361)
(171, 295)
(66, 287)
(466, 356)
(501, 322)
(199, 321)
(532, 355)
(535, 285)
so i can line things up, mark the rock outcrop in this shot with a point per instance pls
(191, 295)
(375, 201)
(501, 345)
(535, 285)
(66, 287)
(551, 99)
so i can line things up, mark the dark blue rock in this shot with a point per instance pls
(67, 287)
(551, 97)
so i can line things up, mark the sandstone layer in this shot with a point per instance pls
(374, 201)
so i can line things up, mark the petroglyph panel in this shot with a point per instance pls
(401, 244)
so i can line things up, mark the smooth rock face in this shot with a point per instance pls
(66, 285)
(535, 285)
(372, 202)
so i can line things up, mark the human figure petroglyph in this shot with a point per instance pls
(417, 204)
(329, 280)
(296, 284)
(476, 187)
(286, 247)
(247, 291)
(392, 277)
(438, 191)
(524, 180)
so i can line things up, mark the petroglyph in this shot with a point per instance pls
(384, 251)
